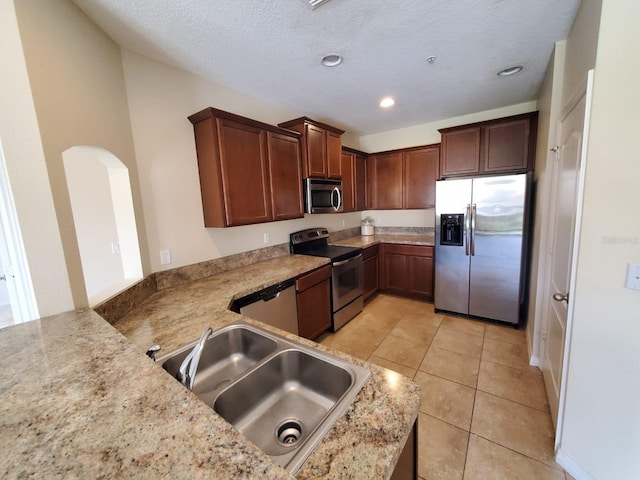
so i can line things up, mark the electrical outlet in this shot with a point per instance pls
(344, 223)
(633, 276)
(266, 238)
(115, 248)
(165, 257)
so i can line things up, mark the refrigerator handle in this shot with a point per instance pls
(473, 230)
(467, 227)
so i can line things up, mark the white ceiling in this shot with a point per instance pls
(272, 50)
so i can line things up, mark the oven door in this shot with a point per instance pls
(346, 281)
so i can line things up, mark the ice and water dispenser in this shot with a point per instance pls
(451, 229)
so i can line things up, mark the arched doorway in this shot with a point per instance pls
(102, 207)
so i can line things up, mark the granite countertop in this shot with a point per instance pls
(364, 241)
(80, 399)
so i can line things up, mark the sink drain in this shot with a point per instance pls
(289, 432)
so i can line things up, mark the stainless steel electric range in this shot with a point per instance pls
(346, 272)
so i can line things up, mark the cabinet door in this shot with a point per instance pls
(371, 271)
(285, 175)
(394, 271)
(506, 146)
(386, 177)
(420, 174)
(407, 466)
(348, 182)
(408, 270)
(460, 152)
(361, 182)
(420, 277)
(316, 151)
(243, 159)
(314, 303)
(334, 155)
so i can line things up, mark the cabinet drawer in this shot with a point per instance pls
(413, 250)
(310, 279)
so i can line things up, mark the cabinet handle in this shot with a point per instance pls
(337, 264)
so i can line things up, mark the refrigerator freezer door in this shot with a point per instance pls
(495, 272)
(452, 263)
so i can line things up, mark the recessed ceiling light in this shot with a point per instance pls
(431, 59)
(316, 3)
(331, 60)
(387, 102)
(509, 71)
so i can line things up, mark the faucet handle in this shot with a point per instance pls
(151, 353)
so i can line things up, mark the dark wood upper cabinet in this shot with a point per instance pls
(505, 145)
(461, 149)
(285, 173)
(403, 178)
(321, 147)
(249, 171)
(348, 169)
(316, 151)
(354, 181)
(385, 178)
(420, 175)
(334, 154)
(361, 181)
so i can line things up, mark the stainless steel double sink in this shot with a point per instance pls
(282, 395)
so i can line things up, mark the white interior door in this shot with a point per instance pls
(563, 216)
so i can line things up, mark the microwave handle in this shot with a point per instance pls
(336, 207)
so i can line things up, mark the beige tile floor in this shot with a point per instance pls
(484, 412)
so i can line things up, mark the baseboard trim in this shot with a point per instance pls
(572, 467)
(535, 361)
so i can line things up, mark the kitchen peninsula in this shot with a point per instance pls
(80, 398)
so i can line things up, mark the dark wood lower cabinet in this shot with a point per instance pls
(407, 466)
(407, 270)
(313, 299)
(371, 271)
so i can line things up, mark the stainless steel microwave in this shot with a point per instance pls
(322, 195)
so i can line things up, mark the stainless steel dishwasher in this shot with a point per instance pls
(274, 305)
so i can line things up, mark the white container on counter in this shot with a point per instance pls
(367, 226)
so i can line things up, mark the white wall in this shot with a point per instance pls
(94, 219)
(77, 83)
(24, 156)
(160, 100)
(601, 428)
(427, 133)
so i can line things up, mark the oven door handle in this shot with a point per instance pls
(337, 264)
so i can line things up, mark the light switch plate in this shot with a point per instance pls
(633, 276)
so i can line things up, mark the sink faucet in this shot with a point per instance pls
(189, 366)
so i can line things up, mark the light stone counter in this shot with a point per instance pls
(364, 241)
(79, 400)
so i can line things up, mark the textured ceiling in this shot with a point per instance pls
(272, 50)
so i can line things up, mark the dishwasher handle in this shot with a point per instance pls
(266, 294)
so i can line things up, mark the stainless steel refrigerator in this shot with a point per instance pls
(481, 239)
